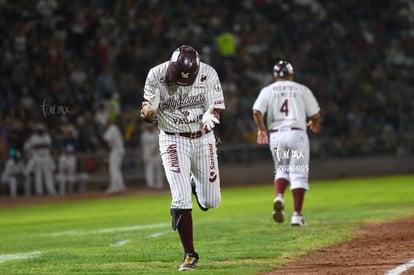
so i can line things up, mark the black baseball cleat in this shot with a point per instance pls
(193, 190)
(278, 207)
(190, 261)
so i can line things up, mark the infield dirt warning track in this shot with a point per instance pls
(379, 248)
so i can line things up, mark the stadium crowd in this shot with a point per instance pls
(74, 65)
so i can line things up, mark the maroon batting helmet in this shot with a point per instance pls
(282, 69)
(184, 65)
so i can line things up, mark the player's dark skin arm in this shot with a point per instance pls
(313, 123)
(262, 137)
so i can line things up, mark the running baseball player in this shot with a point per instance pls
(41, 162)
(290, 108)
(186, 97)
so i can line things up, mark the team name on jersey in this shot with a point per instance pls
(173, 158)
(173, 103)
(186, 120)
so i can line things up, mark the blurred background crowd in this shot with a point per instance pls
(75, 64)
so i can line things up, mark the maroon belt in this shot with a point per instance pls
(188, 135)
(292, 128)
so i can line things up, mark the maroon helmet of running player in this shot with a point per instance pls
(184, 65)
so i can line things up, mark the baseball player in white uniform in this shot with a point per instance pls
(14, 173)
(113, 137)
(68, 176)
(41, 162)
(290, 108)
(154, 174)
(66, 169)
(186, 97)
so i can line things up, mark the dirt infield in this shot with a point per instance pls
(377, 249)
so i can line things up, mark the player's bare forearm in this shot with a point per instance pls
(262, 137)
(313, 123)
(259, 120)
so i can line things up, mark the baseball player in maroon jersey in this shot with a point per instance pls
(290, 108)
(186, 97)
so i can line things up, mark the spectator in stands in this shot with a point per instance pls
(359, 58)
(101, 115)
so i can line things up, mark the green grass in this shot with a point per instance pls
(108, 236)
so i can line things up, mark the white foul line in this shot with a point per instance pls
(18, 256)
(110, 230)
(401, 268)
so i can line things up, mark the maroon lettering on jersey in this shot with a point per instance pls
(213, 175)
(173, 162)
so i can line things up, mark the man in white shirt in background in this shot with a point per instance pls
(113, 138)
(154, 173)
(14, 173)
(289, 108)
(68, 177)
(41, 162)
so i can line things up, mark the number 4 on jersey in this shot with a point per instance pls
(284, 108)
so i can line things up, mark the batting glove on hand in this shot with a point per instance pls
(154, 101)
(209, 120)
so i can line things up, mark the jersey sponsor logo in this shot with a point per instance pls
(203, 78)
(217, 86)
(173, 103)
(186, 120)
(200, 86)
(213, 175)
(173, 158)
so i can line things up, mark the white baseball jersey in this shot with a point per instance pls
(41, 162)
(67, 164)
(151, 157)
(114, 138)
(39, 145)
(13, 171)
(287, 103)
(149, 144)
(181, 110)
(13, 168)
(182, 107)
